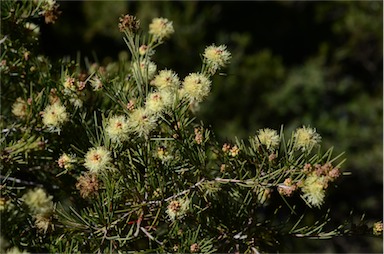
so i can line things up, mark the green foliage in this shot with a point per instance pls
(111, 158)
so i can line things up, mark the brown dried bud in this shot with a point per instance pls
(129, 22)
(195, 248)
(87, 184)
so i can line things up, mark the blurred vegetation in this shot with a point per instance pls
(294, 63)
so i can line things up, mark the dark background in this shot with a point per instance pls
(294, 63)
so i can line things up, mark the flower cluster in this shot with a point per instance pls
(269, 138)
(41, 206)
(20, 107)
(216, 57)
(158, 102)
(97, 159)
(161, 28)
(166, 79)
(196, 87)
(117, 128)
(314, 190)
(142, 121)
(55, 115)
(306, 138)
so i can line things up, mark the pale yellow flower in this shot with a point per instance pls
(306, 138)
(19, 108)
(313, 189)
(55, 115)
(196, 87)
(141, 121)
(38, 201)
(216, 57)
(166, 79)
(117, 128)
(97, 159)
(161, 28)
(268, 137)
(158, 102)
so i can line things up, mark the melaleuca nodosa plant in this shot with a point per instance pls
(111, 158)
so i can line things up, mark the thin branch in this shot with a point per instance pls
(150, 236)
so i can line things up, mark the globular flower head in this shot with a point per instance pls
(269, 138)
(38, 201)
(20, 107)
(161, 28)
(55, 115)
(117, 128)
(158, 102)
(306, 138)
(166, 79)
(97, 159)
(177, 208)
(66, 161)
(216, 57)
(313, 190)
(196, 87)
(142, 122)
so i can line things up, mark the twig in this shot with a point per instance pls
(150, 236)
(185, 191)
(176, 195)
(223, 180)
(16, 180)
